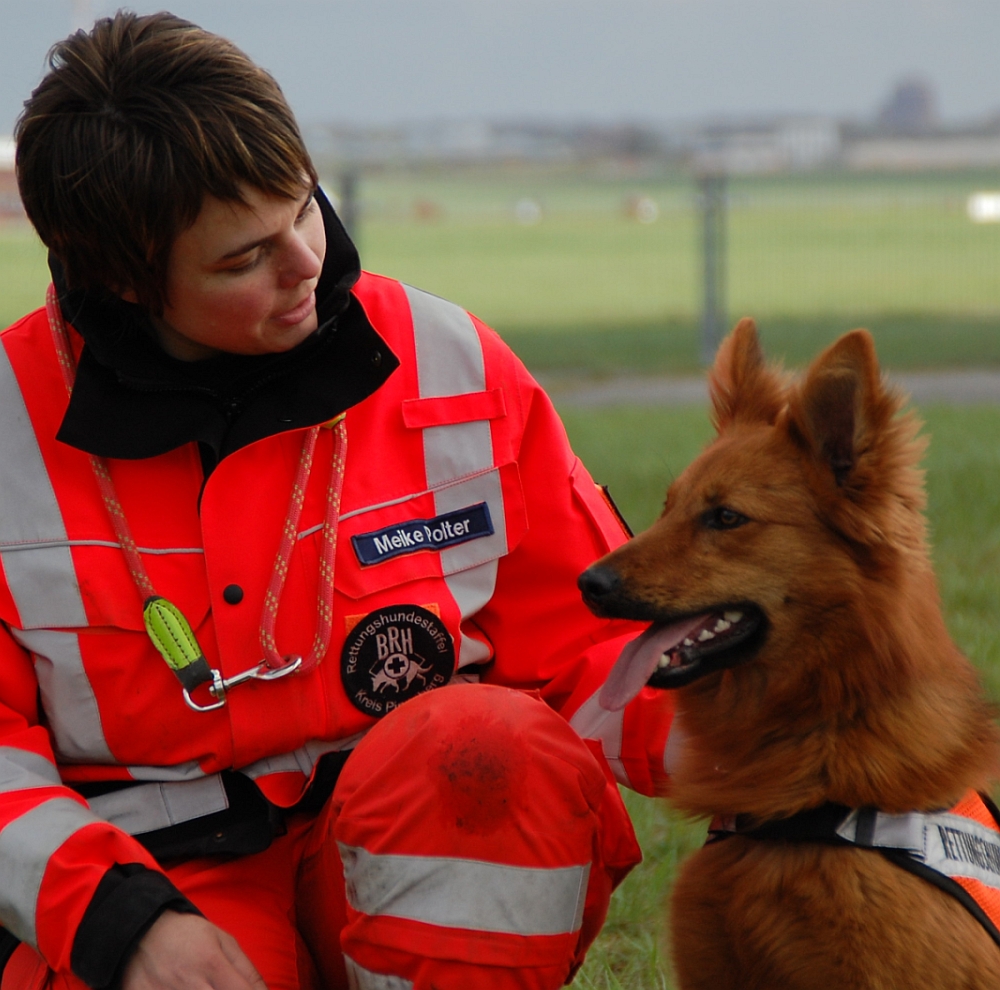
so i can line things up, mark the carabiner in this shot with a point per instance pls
(220, 685)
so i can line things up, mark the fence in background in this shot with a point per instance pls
(536, 250)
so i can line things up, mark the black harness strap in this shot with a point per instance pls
(823, 824)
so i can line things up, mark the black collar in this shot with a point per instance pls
(812, 825)
(132, 400)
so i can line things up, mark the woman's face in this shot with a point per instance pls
(242, 278)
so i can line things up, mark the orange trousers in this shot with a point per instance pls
(480, 839)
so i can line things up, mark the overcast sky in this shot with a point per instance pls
(384, 61)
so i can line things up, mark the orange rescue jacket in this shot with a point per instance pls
(459, 447)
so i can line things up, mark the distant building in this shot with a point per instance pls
(472, 142)
(913, 154)
(904, 135)
(910, 110)
(780, 145)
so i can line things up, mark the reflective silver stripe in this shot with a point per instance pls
(26, 845)
(42, 581)
(185, 792)
(359, 978)
(471, 590)
(471, 568)
(22, 770)
(591, 721)
(67, 695)
(466, 893)
(148, 807)
(450, 362)
(449, 451)
(190, 770)
(302, 759)
(951, 844)
(481, 488)
(449, 355)
(181, 793)
(875, 828)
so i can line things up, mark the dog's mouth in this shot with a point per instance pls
(702, 644)
(675, 652)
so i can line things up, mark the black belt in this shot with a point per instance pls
(246, 826)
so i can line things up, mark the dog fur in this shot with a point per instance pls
(808, 505)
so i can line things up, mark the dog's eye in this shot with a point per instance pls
(722, 517)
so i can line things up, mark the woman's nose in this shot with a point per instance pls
(301, 262)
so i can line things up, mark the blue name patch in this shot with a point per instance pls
(460, 526)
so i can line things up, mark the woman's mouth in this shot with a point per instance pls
(297, 314)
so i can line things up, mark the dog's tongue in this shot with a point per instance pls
(639, 659)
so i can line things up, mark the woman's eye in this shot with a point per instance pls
(244, 266)
(722, 517)
(306, 209)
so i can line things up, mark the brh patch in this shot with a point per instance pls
(447, 530)
(393, 654)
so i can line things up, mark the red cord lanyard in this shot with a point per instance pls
(192, 669)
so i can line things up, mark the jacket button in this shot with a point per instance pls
(232, 594)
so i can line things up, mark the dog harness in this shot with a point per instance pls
(957, 850)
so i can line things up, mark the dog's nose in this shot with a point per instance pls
(598, 582)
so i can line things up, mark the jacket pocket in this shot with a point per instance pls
(431, 534)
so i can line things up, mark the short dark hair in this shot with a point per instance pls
(135, 123)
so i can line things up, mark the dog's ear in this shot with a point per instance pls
(847, 418)
(838, 404)
(741, 385)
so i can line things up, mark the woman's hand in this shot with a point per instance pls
(187, 952)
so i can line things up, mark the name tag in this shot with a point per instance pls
(414, 535)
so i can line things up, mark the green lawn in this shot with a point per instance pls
(798, 246)
(904, 340)
(23, 272)
(637, 451)
(808, 257)
(590, 286)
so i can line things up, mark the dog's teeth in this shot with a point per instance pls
(704, 635)
(733, 616)
(688, 642)
(722, 626)
(664, 661)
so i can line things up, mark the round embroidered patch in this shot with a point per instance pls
(393, 654)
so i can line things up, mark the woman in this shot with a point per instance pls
(214, 609)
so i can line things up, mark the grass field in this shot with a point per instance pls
(23, 273)
(590, 286)
(637, 451)
(798, 247)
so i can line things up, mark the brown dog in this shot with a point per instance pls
(796, 612)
